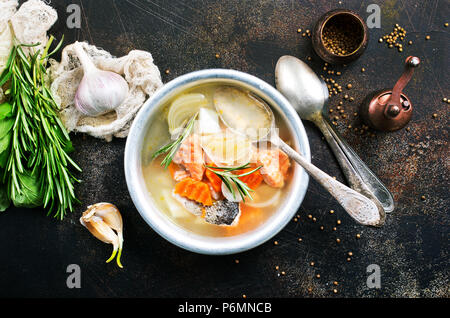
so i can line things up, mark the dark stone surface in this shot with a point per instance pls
(412, 247)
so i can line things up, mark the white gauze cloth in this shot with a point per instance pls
(29, 25)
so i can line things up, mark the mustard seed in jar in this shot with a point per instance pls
(342, 35)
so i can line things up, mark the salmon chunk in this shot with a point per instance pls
(177, 172)
(275, 165)
(190, 156)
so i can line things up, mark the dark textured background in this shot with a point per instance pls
(412, 247)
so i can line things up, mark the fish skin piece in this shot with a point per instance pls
(275, 166)
(190, 205)
(190, 155)
(223, 212)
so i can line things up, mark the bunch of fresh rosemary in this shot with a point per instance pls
(34, 157)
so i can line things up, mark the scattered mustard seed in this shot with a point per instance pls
(299, 30)
(275, 243)
(422, 198)
(435, 115)
(321, 227)
(318, 276)
(349, 86)
(410, 42)
(331, 211)
(335, 291)
(334, 228)
(348, 259)
(358, 235)
(338, 240)
(446, 24)
(236, 261)
(350, 254)
(363, 70)
(300, 239)
(391, 38)
(314, 219)
(167, 71)
(427, 37)
(338, 222)
(283, 273)
(277, 267)
(309, 216)
(312, 263)
(217, 55)
(244, 296)
(335, 283)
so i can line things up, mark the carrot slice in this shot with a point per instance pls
(252, 180)
(194, 190)
(214, 179)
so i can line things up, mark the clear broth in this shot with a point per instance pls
(160, 184)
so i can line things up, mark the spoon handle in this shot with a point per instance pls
(369, 179)
(359, 207)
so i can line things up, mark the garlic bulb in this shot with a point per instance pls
(104, 221)
(99, 91)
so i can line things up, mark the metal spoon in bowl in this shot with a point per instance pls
(247, 115)
(308, 95)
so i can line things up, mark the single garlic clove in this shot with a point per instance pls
(109, 213)
(102, 219)
(99, 91)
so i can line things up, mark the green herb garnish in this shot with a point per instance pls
(36, 162)
(172, 147)
(229, 178)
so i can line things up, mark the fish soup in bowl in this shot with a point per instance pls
(206, 187)
(189, 191)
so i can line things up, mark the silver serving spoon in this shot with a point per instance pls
(308, 95)
(247, 115)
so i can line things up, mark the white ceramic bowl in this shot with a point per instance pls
(159, 221)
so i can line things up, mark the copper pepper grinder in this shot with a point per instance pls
(390, 110)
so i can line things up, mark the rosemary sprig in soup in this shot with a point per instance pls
(229, 179)
(172, 147)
